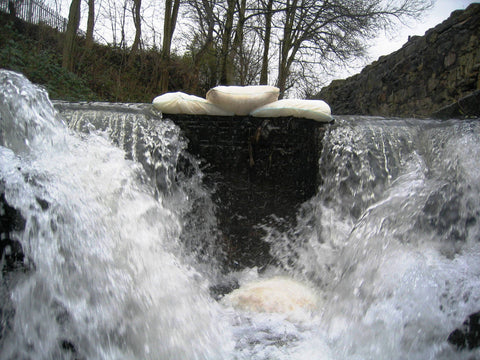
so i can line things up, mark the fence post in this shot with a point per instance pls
(34, 12)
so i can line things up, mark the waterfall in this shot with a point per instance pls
(106, 276)
(110, 246)
(392, 238)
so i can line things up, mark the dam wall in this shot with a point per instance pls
(260, 169)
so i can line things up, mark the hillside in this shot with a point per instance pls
(101, 73)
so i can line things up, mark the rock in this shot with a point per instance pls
(219, 290)
(466, 107)
(467, 335)
(11, 252)
(12, 262)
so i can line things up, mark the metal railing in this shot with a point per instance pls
(35, 12)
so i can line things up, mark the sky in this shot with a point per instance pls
(385, 45)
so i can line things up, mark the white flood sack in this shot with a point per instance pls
(317, 110)
(275, 295)
(181, 103)
(257, 101)
(241, 100)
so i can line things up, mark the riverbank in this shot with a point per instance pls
(429, 73)
(101, 72)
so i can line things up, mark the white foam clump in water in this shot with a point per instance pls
(275, 295)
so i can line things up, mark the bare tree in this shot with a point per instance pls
(137, 21)
(204, 36)
(12, 9)
(123, 21)
(169, 23)
(242, 53)
(111, 18)
(70, 35)
(248, 59)
(334, 30)
(90, 23)
(224, 22)
(226, 76)
(268, 14)
(238, 57)
(301, 36)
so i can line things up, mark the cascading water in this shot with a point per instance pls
(392, 238)
(106, 278)
(119, 247)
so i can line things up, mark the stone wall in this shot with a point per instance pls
(260, 167)
(427, 74)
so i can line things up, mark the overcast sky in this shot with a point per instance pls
(385, 45)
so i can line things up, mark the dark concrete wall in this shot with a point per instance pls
(260, 167)
(428, 73)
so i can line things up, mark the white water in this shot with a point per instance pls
(390, 245)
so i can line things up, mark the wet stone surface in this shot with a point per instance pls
(467, 335)
(11, 261)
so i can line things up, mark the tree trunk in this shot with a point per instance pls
(205, 60)
(282, 76)
(266, 43)
(237, 46)
(123, 40)
(137, 20)
(12, 10)
(225, 76)
(70, 35)
(171, 13)
(287, 53)
(90, 23)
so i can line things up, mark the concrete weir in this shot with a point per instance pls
(261, 167)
